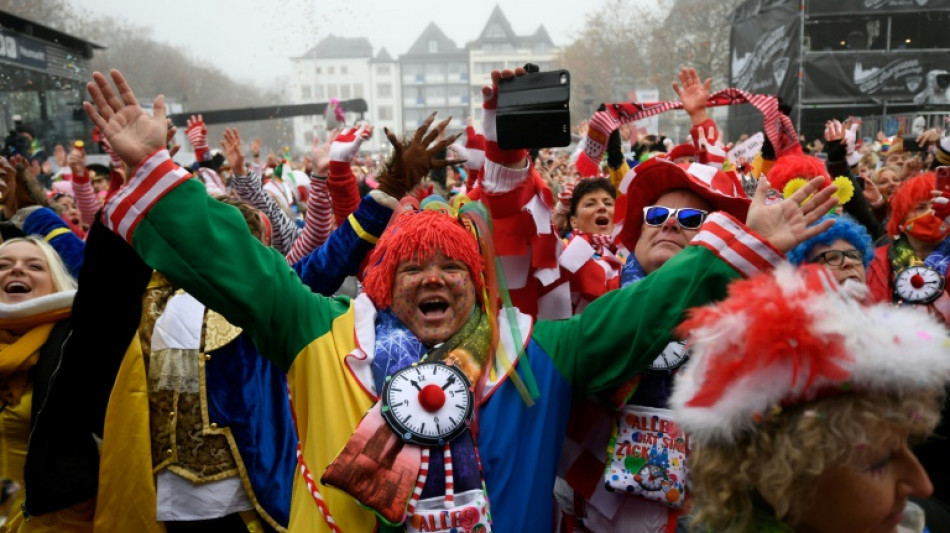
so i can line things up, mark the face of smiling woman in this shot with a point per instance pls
(24, 273)
(433, 298)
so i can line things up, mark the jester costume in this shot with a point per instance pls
(329, 346)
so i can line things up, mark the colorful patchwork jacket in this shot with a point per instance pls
(327, 345)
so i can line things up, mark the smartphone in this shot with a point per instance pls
(533, 110)
(943, 179)
(910, 143)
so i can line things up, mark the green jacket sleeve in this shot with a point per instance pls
(205, 247)
(623, 331)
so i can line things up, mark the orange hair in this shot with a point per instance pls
(789, 167)
(912, 191)
(419, 236)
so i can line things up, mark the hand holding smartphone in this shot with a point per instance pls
(533, 110)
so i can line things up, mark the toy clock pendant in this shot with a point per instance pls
(918, 284)
(428, 403)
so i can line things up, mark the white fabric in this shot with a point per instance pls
(36, 306)
(181, 500)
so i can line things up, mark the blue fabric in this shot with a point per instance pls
(248, 395)
(68, 245)
(326, 267)
(396, 347)
(520, 446)
(631, 271)
(939, 259)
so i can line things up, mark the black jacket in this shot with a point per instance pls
(73, 378)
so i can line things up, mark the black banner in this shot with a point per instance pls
(920, 78)
(764, 51)
(843, 7)
(22, 50)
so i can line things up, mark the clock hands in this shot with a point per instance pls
(448, 382)
(416, 385)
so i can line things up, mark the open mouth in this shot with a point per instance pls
(433, 307)
(602, 221)
(16, 287)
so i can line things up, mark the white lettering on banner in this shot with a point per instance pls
(9, 49)
(872, 80)
(747, 149)
(38, 55)
(774, 43)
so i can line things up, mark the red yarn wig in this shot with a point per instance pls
(908, 195)
(789, 167)
(419, 236)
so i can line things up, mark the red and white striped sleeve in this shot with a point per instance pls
(86, 199)
(317, 223)
(737, 245)
(152, 179)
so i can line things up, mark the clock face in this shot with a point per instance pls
(651, 477)
(428, 403)
(918, 285)
(674, 355)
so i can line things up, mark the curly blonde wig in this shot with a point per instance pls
(778, 465)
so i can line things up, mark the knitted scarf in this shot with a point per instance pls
(20, 352)
(778, 127)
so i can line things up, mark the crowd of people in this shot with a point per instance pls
(630, 334)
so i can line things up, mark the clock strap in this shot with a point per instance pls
(421, 482)
(449, 478)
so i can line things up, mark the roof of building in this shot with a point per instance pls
(498, 30)
(383, 57)
(46, 33)
(432, 33)
(333, 47)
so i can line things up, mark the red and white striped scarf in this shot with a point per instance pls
(778, 127)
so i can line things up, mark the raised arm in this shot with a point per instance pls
(199, 243)
(620, 333)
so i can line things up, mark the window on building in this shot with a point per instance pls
(384, 90)
(413, 69)
(433, 46)
(357, 90)
(495, 31)
(457, 68)
(384, 112)
(332, 91)
(382, 70)
(435, 68)
(344, 69)
(435, 92)
(319, 70)
(344, 91)
(305, 92)
(331, 70)
(319, 92)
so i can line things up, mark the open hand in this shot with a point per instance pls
(693, 93)
(321, 153)
(131, 132)
(231, 144)
(834, 131)
(412, 161)
(788, 223)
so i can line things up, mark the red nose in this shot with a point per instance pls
(917, 281)
(432, 398)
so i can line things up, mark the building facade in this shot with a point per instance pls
(435, 74)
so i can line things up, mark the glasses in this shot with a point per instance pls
(836, 258)
(686, 217)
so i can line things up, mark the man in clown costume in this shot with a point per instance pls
(434, 408)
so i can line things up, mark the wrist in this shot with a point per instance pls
(698, 117)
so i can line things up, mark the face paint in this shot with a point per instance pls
(433, 298)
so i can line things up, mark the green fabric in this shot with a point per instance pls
(205, 247)
(634, 323)
(469, 346)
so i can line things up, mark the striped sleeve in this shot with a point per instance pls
(86, 200)
(735, 244)
(317, 222)
(152, 180)
(249, 189)
(344, 192)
